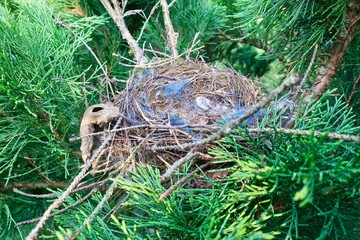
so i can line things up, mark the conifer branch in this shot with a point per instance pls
(117, 15)
(60, 211)
(348, 100)
(34, 232)
(108, 81)
(312, 61)
(181, 181)
(171, 34)
(110, 190)
(335, 136)
(337, 52)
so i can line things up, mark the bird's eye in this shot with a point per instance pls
(96, 109)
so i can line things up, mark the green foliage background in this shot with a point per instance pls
(279, 186)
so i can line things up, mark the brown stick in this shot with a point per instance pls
(353, 90)
(171, 34)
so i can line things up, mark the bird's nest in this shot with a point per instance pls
(177, 103)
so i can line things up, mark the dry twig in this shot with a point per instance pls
(335, 136)
(117, 15)
(171, 34)
(49, 195)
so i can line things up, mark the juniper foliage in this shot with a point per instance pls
(277, 185)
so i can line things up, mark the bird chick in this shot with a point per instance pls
(95, 119)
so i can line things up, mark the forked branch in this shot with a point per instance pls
(116, 13)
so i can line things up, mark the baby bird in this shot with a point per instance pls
(95, 119)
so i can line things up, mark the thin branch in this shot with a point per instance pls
(146, 21)
(353, 90)
(27, 185)
(171, 34)
(228, 128)
(152, 126)
(163, 61)
(117, 15)
(189, 156)
(181, 181)
(309, 68)
(49, 195)
(34, 232)
(116, 208)
(60, 211)
(108, 81)
(335, 136)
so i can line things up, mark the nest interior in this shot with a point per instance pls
(178, 103)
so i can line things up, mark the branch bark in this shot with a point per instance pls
(337, 51)
(171, 34)
(117, 15)
(27, 185)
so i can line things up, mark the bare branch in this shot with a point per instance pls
(335, 136)
(189, 156)
(49, 195)
(171, 34)
(108, 81)
(116, 14)
(29, 185)
(146, 21)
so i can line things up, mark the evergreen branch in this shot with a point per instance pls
(171, 34)
(34, 232)
(228, 128)
(116, 208)
(60, 211)
(21, 185)
(353, 90)
(337, 52)
(181, 181)
(309, 68)
(189, 156)
(50, 195)
(116, 14)
(63, 24)
(335, 136)
(110, 190)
